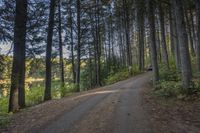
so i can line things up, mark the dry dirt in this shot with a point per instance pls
(171, 115)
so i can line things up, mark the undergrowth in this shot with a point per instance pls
(170, 85)
(121, 75)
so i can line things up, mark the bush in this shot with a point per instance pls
(67, 89)
(4, 116)
(169, 75)
(34, 95)
(195, 86)
(4, 119)
(113, 78)
(169, 89)
(170, 84)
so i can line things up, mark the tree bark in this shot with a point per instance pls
(127, 33)
(47, 94)
(151, 19)
(62, 76)
(189, 33)
(140, 24)
(72, 43)
(198, 34)
(174, 37)
(78, 46)
(183, 44)
(163, 38)
(17, 93)
(98, 45)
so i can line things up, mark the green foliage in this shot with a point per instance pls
(4, 119)
(4, 105)
(195, 85)
(135, 70)
(170, 84)
(4, 116)
(67, 89)
(169, 89)
(169, 75)
(113, 78)
(34, 95)
(121, 75)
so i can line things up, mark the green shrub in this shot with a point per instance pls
(34, 95)
(68, 88)
(4, 116)
(170, 84)
(113, 78)
(169, 74)
(169, 89)
(4, 119)
(4, 105)
(195, 86)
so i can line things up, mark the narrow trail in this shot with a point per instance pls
(112, 109)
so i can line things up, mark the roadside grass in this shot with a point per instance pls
(34, 95)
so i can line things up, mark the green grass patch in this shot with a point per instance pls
(4, 116)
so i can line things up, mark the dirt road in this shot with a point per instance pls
(112, 109)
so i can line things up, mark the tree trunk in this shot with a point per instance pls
(151, 18)
(198, 34)
(127, 33)
(183, 44)
(78, 46)
(17, 94)
(47, 94)
(62, 77)
(194, 36)
(189, 33)
(140, 24)
(171, 21)
(72, 43)
(98, 45)
(174, 37)
(163, 38)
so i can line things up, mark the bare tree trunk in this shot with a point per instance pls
(153, 41)
(127, 32)
(189, 33)
(72, 43)
(17, 94)
(62, 77)
(171, 21)
(163, 38)
(158, 41)
(183, 44)
(174, 37)
(98, 45)
(198, 36)
(47, 94)
(78, 46)
(194, 36)
(140, 19)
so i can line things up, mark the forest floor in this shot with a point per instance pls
(124, 107)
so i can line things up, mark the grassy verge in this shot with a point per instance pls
(34, 96)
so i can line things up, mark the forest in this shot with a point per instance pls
(50, 49)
